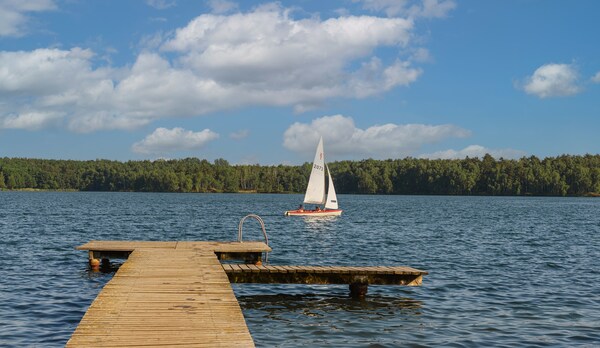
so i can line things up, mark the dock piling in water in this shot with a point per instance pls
(358, 289)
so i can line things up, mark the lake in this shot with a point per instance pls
(503, 271)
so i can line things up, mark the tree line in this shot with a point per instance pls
(553, 176)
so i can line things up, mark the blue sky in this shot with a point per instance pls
(258, 82)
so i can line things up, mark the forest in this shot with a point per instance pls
(565, 175)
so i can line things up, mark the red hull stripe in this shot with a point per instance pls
(314, 212)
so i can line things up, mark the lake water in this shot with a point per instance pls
(504, 271)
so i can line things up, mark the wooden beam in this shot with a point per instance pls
(325, 275)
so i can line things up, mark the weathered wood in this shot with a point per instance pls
(372, 275)
(249, 251)
(179, 294)
(165, 297)
(130, 245)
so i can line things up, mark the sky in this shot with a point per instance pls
(259, 82)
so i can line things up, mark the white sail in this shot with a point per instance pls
(315, 191)
(331, 196)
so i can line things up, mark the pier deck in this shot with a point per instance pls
(110, 249)
(165, 297)
(179, 293)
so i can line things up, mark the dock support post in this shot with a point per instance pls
(105, 263)
(359, 290)
(95, 265)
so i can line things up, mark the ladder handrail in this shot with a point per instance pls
(262, 225)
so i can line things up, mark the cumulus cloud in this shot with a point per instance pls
(47, 85)
(473, 151)
(216, 62)
(553, 80)
(42, 71)
(436, 8)
(30, 120)
(163, 141)
(596, 78)
(343, 139)
(414, 9)
(277, 60)
(13, 14)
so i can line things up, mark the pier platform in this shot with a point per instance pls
(249, 251)
(180, 294)
(374, 275)
(165, 297)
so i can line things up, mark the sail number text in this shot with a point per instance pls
(318, 167)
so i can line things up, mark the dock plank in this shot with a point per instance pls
(165, 297)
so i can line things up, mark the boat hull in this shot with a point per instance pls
(327, 212)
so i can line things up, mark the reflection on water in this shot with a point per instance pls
(319, 223)
(105, 268)
(329, 303)
(325, 315)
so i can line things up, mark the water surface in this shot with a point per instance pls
(504, 271)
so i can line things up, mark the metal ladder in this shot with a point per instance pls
(262, 225)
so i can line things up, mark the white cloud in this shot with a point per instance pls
(164, 140)
(30, 120)
(473, 151)
(41, 72)
(596, 78)
(343, 139)
(276, 60)
(413, 9)
(46, 85)
(216, 62)
(222, 6)
(437, 8)
(13, 18)
(553, 80)
(373, 78)
(161, 4)
(241, 134)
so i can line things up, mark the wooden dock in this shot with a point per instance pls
(374, 275)
(179, 293)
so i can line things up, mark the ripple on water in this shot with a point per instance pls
(504, 272)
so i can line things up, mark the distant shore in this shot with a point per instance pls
(565, 175)
(250, 192)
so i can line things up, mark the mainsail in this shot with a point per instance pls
(315, 191)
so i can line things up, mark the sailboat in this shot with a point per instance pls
(315, 190)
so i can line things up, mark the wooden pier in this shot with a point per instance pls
(179, 293)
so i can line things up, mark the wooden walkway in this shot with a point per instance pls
(165, 297)
(179, 293)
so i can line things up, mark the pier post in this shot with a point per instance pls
(359, 287)
(105, 263)
(95, 265)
